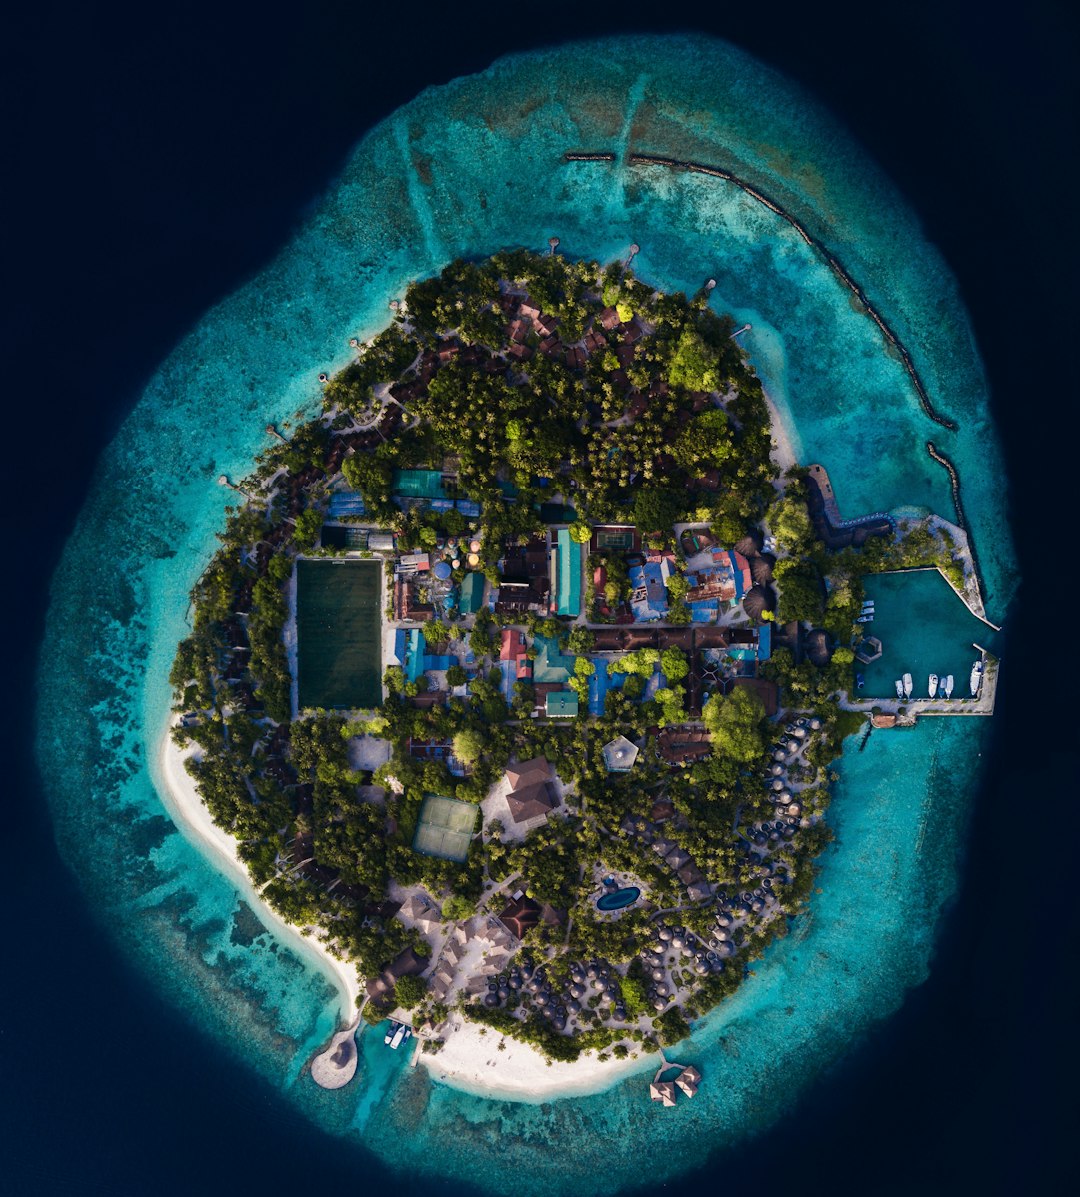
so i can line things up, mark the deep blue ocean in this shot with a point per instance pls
(162, 162)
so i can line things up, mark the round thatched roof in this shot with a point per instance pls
(750, 545)
(757, 600)
(761, 570)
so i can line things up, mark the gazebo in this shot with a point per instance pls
(620, 755)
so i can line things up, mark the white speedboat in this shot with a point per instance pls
(390, 1033)
(866, 618)
(868, 606)
(933, 685)
(399, 1035)
(948, 686)
(976, 678)
(908, 685)
(899, 688)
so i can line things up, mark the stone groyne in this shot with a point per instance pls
(830, 259)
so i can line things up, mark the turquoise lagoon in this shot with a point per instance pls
(466, 169)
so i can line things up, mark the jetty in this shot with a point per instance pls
(665, 1092)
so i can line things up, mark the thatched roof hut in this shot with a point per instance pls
(761, 570)
(757, 600)
(663, 1091)
(750, 545)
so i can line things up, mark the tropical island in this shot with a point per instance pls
(519, 673)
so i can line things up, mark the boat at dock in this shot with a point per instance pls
(948, 686)
(933, 685)
(396, 1035)
(908, 685)
(868, 606)
(866, 618)
(899, 688)
(976, 678)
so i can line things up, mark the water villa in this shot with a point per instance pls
(665, 1092)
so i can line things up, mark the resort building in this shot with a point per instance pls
(421, 912)
(405, 964)
(620, 755)
(472, 593)
(663, 1092)
(520, 915)
(514, 659)
(566, 571)
(530, 793)
(688, 1080)
(562, 704)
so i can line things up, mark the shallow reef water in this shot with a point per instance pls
(464, 170)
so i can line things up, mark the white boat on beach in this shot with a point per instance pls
(976, 678)
(933, 685)
(899, 688)
(948, 686)
(908, 685)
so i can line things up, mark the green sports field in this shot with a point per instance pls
(338, 632)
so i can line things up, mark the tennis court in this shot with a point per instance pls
(445, 828)
(616, 539)
(339, 633)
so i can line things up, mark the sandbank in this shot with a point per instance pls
(182, 801)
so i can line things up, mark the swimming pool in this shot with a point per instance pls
(618, 899)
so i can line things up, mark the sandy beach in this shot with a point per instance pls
(184, 805)
(784, 454)
(470, 1060)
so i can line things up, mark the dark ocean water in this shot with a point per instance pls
(156, 161)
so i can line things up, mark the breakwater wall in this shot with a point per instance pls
(831, 260)
(961, 520)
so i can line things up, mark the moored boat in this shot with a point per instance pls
(976, 678)
(909, 685)
(399, 1035)
(866, 618)
(933, 685)
(948, 686)
(899, 688)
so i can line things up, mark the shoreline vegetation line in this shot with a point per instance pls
(830, 259)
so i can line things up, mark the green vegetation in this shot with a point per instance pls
(324, 841)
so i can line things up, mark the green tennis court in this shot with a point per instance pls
(445, 828)
(616, 539)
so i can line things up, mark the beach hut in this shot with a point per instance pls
(750, 545)
(663, 1092)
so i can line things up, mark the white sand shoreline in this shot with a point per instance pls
(470, 1061)
(784, 453)
(181, 799)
